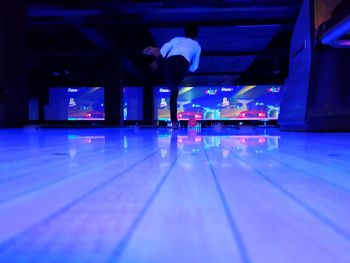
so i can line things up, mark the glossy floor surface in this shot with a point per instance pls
(153, 195)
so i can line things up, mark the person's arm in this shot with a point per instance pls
(166, 48)
(195, 61)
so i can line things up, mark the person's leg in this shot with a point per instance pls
(171, 82)
(174, 93)
(175, 69)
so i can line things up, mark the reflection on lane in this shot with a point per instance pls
(193, 141)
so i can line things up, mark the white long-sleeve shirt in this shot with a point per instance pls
(186, 47)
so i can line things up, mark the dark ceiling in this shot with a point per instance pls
(243, 41)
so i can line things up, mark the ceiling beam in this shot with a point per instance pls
(265, 52)
(235, 73)
(286, 24)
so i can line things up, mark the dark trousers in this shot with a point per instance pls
(174, 70)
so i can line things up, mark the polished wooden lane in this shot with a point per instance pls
(153, 195)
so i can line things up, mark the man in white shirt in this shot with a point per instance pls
(175, 59)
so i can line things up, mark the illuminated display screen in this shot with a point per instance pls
(86, 104)
(75, 103)
(222, 103)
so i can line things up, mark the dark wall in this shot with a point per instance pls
(294, 102)
(329, 92)
(13, 76)
(317, 94)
